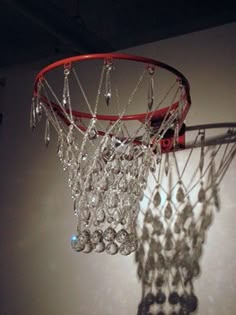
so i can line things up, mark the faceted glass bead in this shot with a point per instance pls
(145, 233)
(158, 247)
(125, 249)
(188, 210)
(84, 237)
(88, 248)
(96, 236)
(191, 303)
(76, 245)
(149, 299)
(100, 247)
(160, 297)
(92, 134)
(100, 215)
(112, 248)
(169, 244)
(168, 211)
(201, 195)
(109, 234)
(157, 226)
(160, 262)
(180, 194)
(173, 298)
(159, 281)
(123, 184)
(148, 216)
(122, 236)
(157, 199)
(177, 229)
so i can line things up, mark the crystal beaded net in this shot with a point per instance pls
(108, 158)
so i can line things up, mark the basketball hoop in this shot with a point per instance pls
(108, 157)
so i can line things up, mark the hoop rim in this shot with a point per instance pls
(67, 62)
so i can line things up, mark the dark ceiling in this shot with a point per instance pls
(31, 30)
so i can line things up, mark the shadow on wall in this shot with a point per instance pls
(177, 210)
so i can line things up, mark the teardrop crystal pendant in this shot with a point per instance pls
(60, 146)
(66, 93)
(167, 164)
(92, 134)
(39, 110)
(47, 133)
(151, 88)
(201, 194)
(180, 194)
(157, 199)
(33, 114)
(108, 83)
(168, 211)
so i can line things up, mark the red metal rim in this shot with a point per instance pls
(159, 114)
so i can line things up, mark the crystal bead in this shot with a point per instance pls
(110, 219)
(158, 247)
(88, 248)
(96, 236)
(159, 281)
(39, 111)
(109, 234)
(180, 194)
(75, 244)
(169, 244)
(125, 249)
(115, 166)
(92, 134)
(123, 184)
(157, 199)
(177, 228)
(149, 299)
(100, 247)
(191, 303)
(201, 195)
(160, 297)
(148, 216)
(150, 263)
(33, 115)
(160, 262)
(112, 201)
(143, 309)
(122, 236)
(47, 133)
(150, 92)
(157, 226)
(84, 237)
(168, 211)
(167, 165)
(103, 184)
(145, 233)
(173, 298)
(153, 166)
(100, 215)
(112, 248)
(176, 279)
(188, 210)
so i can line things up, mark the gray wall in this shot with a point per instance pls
(40, 274)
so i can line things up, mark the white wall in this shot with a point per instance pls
(40, 274)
